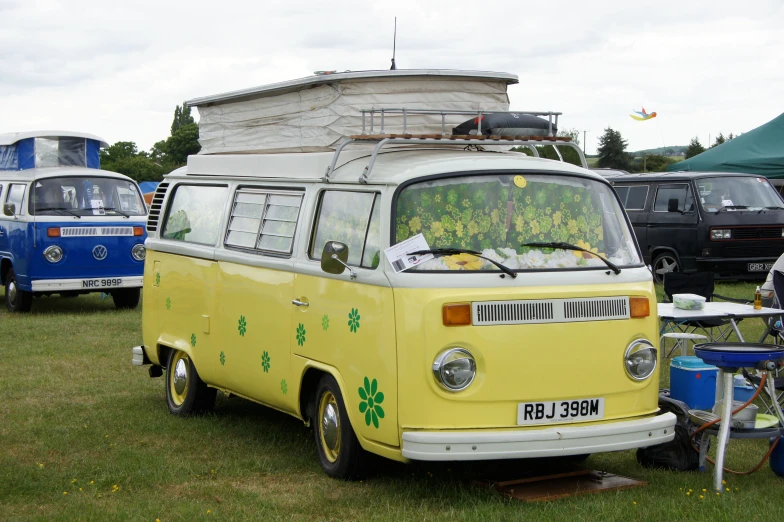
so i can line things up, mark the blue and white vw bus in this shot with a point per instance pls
(67, 227)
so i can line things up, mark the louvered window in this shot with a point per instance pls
(263, 221)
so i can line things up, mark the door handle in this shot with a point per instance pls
(297, 302)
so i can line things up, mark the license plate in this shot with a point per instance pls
(760, 267)
(550, 412)
(112, 282)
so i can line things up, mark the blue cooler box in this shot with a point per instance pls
(693, 382)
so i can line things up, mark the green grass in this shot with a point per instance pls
(78, 418)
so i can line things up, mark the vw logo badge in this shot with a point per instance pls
(100, 252)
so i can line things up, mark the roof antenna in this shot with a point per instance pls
(394, 39)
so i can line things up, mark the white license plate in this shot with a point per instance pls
(760, 267)
(550, 412)
(108, 282)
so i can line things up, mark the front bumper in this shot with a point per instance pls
(93, 284)
(555, 441)
(139, 356)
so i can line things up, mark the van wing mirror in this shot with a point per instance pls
(672, 205)
(334, 258)
(9, 209)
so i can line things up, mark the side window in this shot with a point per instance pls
(195, 214)
(623, 193)
(635, 199)
(679, 192)
(15, 195)
(344, 216)
(264, 221)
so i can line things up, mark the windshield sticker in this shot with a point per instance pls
(398, 254)
(97, 206)
(727, 203)
(520, 181)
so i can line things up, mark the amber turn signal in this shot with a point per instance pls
(640, 306)
(53, 232)
(456, 314)
(138, 231)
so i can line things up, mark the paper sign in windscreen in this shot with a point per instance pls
(399, 255)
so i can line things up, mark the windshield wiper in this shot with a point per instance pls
(770, 208)
(118, 211)
(438, 252)
(59, 209)
(569, 246)
(741, 207)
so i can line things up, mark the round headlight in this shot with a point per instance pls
(53, 254)
(138, 252)
(640, 359)
(455, 369)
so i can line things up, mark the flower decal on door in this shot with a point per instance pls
(284, 387)
(353, 320)
(265, 361)
(168, 303)
(193, 339)
(157, 279)
(222, 358)
(301, 334)
(242, 326)
(371, 400)
(325, 322)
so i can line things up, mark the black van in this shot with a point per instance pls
(726, 223)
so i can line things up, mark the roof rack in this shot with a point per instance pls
(383, 139)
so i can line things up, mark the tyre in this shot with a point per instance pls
(16, 299)
(338, 448)
(126, 298)
(664, 264)
(186, 393)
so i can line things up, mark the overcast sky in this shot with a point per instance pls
(118, 69)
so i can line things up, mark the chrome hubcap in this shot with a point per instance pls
(180, 376)
(330, 427)
(12, 291)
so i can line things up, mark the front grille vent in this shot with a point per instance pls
(756, 233)
(550, 311)
(156, 207)
(95, 231)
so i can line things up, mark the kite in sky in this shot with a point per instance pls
(643, 115)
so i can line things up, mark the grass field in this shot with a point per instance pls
(86, 436)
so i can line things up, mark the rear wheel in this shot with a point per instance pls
(664, 264)
(338, 448)
(186, 393)
(16, 299)
(126, 298)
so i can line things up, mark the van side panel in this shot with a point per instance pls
(519, 363)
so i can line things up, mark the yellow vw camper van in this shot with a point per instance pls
(420, 295)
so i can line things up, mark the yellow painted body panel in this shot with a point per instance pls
(518, 363)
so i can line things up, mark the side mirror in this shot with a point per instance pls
(672, 205)
(9, 209)
(334, 258)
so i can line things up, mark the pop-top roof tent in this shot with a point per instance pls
(41, 149)
(759, 151)
(315, 113)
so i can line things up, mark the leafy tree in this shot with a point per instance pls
(177, 147)
(118, 151)
(182, 117)
(656, 163)
(719, 140)
(138, 167)
(612, 151)
(694, 148)
(730, 136)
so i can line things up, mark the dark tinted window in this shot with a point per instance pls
(680, 192)
(633, 197)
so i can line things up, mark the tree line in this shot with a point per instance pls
(165, 156)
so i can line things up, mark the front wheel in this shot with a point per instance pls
(664, 264)
(16, 299)
(186, 393)
(126, 298)
(338, 448)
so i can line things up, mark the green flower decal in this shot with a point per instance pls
(157, 278)
(301, 334)
(284, 387)
(265, 361)
(371, 399)
(193, 339)
(353, 320)
(222, 358)
(243, 326)
(168, 303)
(325, 322)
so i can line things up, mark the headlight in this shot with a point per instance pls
(53, 254)
(721, 233)
(640, 359)
(455, 369)
(138, 252)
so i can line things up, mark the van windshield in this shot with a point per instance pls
(495, 214)
(86, 195)
(729, 193)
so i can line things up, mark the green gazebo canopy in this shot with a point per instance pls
(759, 151)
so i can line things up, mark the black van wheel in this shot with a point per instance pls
(664, 264)
(16, 299)
(186, 393)
(338, 448)
(126, 298)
